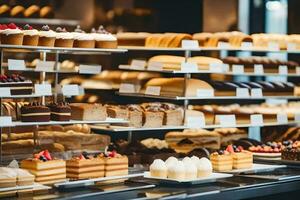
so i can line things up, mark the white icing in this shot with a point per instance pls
(195, 159)
(158, 164)
(204, 164)
(64, 35)
(190, 169)
(22, 172)
(11, 31)
(177, 167)
(103, 37)
(186, 159)
(170, 161)
(82, 36)
(6, 172)
(31, 32)
(49, 33)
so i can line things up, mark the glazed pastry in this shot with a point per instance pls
(46, 12)
(17, 11)
(63, 38)
(32, 11)
(47, 37)
(31, 36)
(4, 10)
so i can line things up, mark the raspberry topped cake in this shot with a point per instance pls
(35, 112)
(47, 170)
(17, 84)
(11, 34)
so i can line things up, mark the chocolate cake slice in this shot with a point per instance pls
(17, 84)
(35, 112)
(60, 111)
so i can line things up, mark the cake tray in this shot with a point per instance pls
(212, 178)
(35, 186)
(255, 169)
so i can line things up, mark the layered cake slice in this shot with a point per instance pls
(153, 116)
(60, 111)
(46, 169)
(17, 84)
(8, 177)
(135, 116)
(84, 166)
(115, 111)
(241, 159)
(35, 112)
(221, 160)
(88, 112)
(115, 164)
(24, 177)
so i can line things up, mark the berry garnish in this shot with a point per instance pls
(112, 154)
(43, 158)
(59, 29)
(220, 152)
(46, 28)
(230, 149)
(81, 157)
(12, 26)
(27, 27)
(240, 148)
(85, 155)
(93, 30)
(47, 155)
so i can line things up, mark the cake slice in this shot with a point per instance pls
(221, 161)
(24, 177)
(115, 111)
(60, 111)
(135, 116)
(88, 112)
(153, 116)
(35, 112)
(8, 177)
(241, 159)
(17, 84)
(115, 164)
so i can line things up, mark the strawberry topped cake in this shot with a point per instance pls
(241, 158)
(115, 164)
(11, 34)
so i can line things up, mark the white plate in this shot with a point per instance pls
(25, 187)
(256, 168)
(266, 154)
(213, 177)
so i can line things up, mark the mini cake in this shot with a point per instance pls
(170, 161)
(35, 112)
(63, 38)
(88, 112)
(17, 84)
(24, 177)
(241, 159)
(12, 35)
(159, 169)
(31, 36)
(221, 160)
(177, 171)
(60, 111)
(84, 166)
(8, 177)
(104, 39)
(204, 167)
(291, 152)
(115, 164)
(46, 169)
(190, 169)
(82, 39)
(46, 37)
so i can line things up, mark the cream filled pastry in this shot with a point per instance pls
(177, 171)
(204, 167)
(190, 169)
(170, 161)
(158, 169)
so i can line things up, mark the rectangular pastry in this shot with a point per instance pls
(120, 112)
(17, 84)
(242, 160)
(60, 111)
(88, 112)
(35, 112)
(8, 177)
(221, 161)
(116, 165)
(135, 117)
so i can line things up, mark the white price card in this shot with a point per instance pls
(138, 64)
(273, 46)
(127, 88)
(124, 67)
(190, 44)
(90, 69)
(298, 70)
(226, 120)
(5, 92)
(153, 90)
(291, 46)
(283, 70)
(246, 45)
(282, 118)
(205, 93)
(216, 67)
(189, 67)
(5, 121)
(238, 69)
(16, 64)
(71, 90)
(195, 122)
(242, 92)
(297, 117)
(225, 67)
(155, 66)
(43, 89)
(257, 120)
(223, 45)
(258, 69)
(256, 93)
(45, 66)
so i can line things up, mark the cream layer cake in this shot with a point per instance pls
(221, 161)
(116, 164)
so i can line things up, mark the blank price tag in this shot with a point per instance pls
(226, 120)
(242, 92)
(155, 66)
(45, 66)
(283, 69)
(258, 69)
(195, 122)
(216, 67)
(90, 69)
(127, 88)
(71, 90)
(298, 70)
(246, 45)
(138, 64)
(190, 44)
(282, 118)
(189, 67)
(153, 90)
(291, 46)
(273, 46)
(43, 89)
(256, 93)
(238, 69)
(223, 45)
(205, 93)
(5, 92)
(225, 67)
(297, 117)
(5, 121)
(257, 120)
(16, 64)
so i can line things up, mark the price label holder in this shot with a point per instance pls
(127, 88)
(291, 46)
(5, 121)
(258, 69)
(195, 122)
(246, 45)
(189, 67)
(273, 46)
(297, 117)
(257, 120)
(138, 64)
(190, 44)
(256, 93)
(226, 120)
(297, 70)
(216, 67)
(153, 90)
(223, 45)
(205, 93)
(72, 90)
(5, 92)
(283, 70)
(242, 92)
(16, 64)
(45, 66)
(238, 69)
(155, 66)
(90, 69)
(43, 89)
(282, 118)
